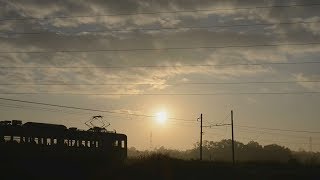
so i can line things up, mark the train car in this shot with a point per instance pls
(33, 139)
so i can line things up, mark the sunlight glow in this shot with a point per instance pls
(161, 117)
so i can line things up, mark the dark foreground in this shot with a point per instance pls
(155, 167)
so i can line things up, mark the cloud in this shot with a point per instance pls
(315, 86)
(63, 34)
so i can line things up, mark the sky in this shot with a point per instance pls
(136, 58)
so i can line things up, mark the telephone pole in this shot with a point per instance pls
(310, 144)
(233, 162)
(151, 145)
(200, 137)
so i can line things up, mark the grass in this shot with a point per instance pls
(155, 166)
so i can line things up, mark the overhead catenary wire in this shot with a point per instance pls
(82, 113)
(258, 139)
(274, 141)
(89, 109)
(161, 66)
(279, 129)
(159, 12)
(263, 139)
(174, 123)
(271, 129)
(247, 82)
(24, 107)
(162, 28)
(162, 94)
(151, 84)
(106, 111)
(33, 108)
(159, 49)
(271, 132)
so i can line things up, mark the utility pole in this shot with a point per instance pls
(201, 137)
(233, 162)
(310, 144)
(151, 145)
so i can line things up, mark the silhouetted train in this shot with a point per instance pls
(53, 140)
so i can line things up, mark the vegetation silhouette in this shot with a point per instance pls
(254, 161)
(245, 153)
(47, 151)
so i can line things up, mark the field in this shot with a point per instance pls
(153, 167)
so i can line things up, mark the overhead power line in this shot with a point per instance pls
(162, 94)
(272, 133)
(158, 12)
(88, 109)
(160, 66)
(161, 49)
(164, 28)
(152, 84)
(37, 108)
(271, 140)
(113, 112)
(261, 140)
(54, 110)
(278, 129)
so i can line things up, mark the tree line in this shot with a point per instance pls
(221, 152)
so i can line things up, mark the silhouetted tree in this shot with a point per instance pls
(221, 151)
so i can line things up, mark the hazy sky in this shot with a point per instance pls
(93, 28)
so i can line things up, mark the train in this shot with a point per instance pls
(34, 139)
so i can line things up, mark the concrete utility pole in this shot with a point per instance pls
(151, 145)
(201, 137)
(310, 144)
(233, 162)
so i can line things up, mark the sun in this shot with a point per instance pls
(161, 117)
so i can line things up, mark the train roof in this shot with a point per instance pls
(44, 125)
(54, 129)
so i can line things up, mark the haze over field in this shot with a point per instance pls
(154, 66)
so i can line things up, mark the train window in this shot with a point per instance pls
(48, 141)
(36, 140)
(122, 143)
(7, 138)
(16, 139)
(88, 143)
(97, 144)
(116, 143)
(65, 142)
(73, 142)
(83, 143)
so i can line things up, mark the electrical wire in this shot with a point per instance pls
(152, 84)
(159, 49)
(159, 12)
(162, 94)
(162, 28)
(89, 109)
(142, 115)
(255, 131)
(278, 129)
(161, 66)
